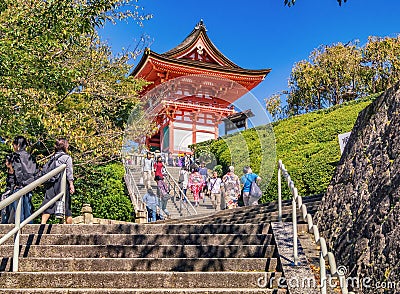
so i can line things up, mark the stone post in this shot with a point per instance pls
(87, 214)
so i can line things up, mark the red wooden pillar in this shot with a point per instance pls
(171, 146)
(194, 130)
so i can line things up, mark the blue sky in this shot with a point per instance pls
(259, 34)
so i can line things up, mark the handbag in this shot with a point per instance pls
(166, 197)
(255, 190)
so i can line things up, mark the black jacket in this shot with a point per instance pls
(25, 168)
(10, 181)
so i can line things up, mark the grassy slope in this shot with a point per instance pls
(307, 144)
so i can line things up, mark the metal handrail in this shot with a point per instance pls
(183, 200)
(134, 192)
(324, 253)
(184, 203)
(133, 188)
(17, 196)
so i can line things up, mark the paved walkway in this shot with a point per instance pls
(299, 279)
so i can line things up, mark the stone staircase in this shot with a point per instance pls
(139, 258)
(263, 213)
(173, 206)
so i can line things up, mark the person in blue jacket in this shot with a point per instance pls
(247, 179)
(152, 202)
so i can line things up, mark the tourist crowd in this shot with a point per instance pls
(226, 192)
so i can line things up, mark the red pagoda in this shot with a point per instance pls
(192, 90)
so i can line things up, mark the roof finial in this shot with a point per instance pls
(200, 25)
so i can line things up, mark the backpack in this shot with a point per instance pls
(181, 178)
(49, 166)
(25, 168)
(255, 190)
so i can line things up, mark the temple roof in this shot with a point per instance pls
(195, 55)
(193, 63)
(198, 32)
(238, 116)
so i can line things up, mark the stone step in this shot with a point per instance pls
(142, 264)
(254, 211)
(247, 219)
(143, 291)
(139, 239)
(268, 216)
(142, 229)
(251, 215)
(149, 251)
(120, 280)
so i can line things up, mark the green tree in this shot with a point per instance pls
(332, 75)
(382, 57)
(274, 106)
(305, 83)
(57, 78)
(341, 72)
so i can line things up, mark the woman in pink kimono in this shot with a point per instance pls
(196, 183)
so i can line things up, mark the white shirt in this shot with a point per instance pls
(148, 165)
(185, 178)
(214, 185)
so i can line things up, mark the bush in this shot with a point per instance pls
(103, 187)
(307, 144)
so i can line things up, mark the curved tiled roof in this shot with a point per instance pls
(197, 64)
(176, 57)
(198, 31)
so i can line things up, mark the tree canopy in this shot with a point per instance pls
(58, 78)
(338, 73)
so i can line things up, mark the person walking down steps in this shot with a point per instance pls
(152, 203)
(247, 179)
(163, 192)
(196, 183)
(148, 163)
(183, 180)
(214, 188)
(25, 170)
(231, 184)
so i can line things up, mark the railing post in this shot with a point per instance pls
(294, 221)
(63, 190)
(280, 190)
(322, 273)
(17, 234)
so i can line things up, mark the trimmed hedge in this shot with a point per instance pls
(103, 187)
(307, 144)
